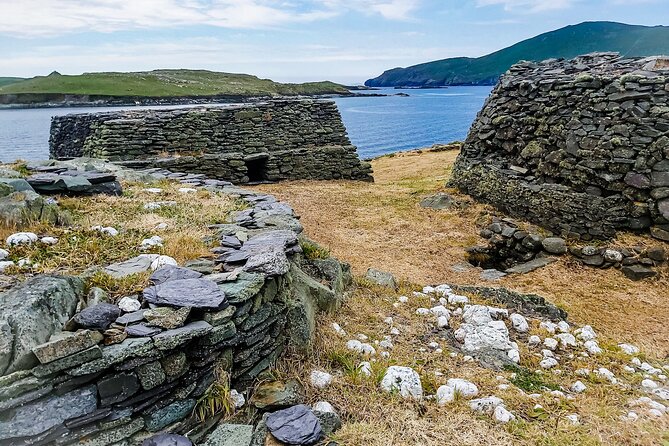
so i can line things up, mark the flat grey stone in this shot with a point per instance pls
(530, 266)
(163, 439)
(66, 343)
(114, 354)
(172, 339)
(131, 318)
(230, 435)
(116, 388)
(555, 245)
(638, 272)
(171, 272)
(68, 362)
(141, 330)
(194, 293)
(245, 287)
(136, 265)
(491, 274)
(381, 278)
(38, 417)
(438, 201)
(296, 425)
(167, 415)
(272, 262)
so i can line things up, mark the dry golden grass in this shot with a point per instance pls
(381, 225)
(372, 417)
(79, 247)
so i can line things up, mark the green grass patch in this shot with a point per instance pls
(529, 381)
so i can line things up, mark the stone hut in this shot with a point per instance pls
(580, 146)
(270, 141)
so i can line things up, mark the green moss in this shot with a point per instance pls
(529, 381)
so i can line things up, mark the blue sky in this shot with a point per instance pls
(286, 40)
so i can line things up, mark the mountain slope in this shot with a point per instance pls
(568, 42)
(166, 83)
(10, 80)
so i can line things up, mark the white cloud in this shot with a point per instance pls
(55, 17)
(528, 5)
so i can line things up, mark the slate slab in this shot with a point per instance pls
(66, 343)
(114, 354)
(167, 440)
(245, 287)
(141, 330)
(230, 435)
(116, 388)
(68, 362)
(530, 266)
(167, 415)
(38, 417)
(171, 339)
(131, 318)
(195, 293)
(296, 425)
(136, 265)
(171, 272)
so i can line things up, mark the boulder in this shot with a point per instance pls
(23, 208)
(381, 278)
(31, 313)
(638, 272)
(404, 380)
(230, 435)
(277, 394)
(439, 201)
(296, 425)
(555, 245)
(136, 265)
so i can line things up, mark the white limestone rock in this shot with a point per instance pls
(422, 311)
(320, 379)
(533, 341)
(502, 415)
(440, 310)
(187, 190)
(607, 374)
(548, 326)
(442, 321)
(3, 254)
(592, 347)
(566, 340)
(649, 384)
(21, 238)
(404, 380)
(237, 399)
(354, 345)
(578, 387)
(365, 368)
(548, 363)
(485, 405)
(49, 240)
(337, 328)
(153, 190)
(152, 242)
(4, 264)
(324, 407)
(551, 343)
(161, 261)
(106, 230)
(629, 349)
(519, 323)
(586, 333)
(573, 419)
(129, 304)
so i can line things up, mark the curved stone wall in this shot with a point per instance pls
(578, 146)
(271, 141)
(68, 377)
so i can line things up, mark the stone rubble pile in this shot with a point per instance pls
(493, 337)
(515, 251)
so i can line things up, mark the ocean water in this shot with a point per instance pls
(376, 125)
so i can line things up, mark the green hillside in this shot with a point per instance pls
(166, 83)
(568, 42)
(9, 80)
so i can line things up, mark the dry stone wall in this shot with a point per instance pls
(272, 141)
(577, 146)
(118, 373)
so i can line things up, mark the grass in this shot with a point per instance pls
(166, 83)
(313, 250)
(381, 225)
(80, 247)
(372, 417)
(216, 400)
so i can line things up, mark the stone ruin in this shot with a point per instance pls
(270, 141)
(76, 368)
(580, 146)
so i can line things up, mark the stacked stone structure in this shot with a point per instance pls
(577, 146)
(271, 141)
(120, 373)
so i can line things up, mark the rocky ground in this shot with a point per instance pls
(424, 363)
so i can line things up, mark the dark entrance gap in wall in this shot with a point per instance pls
(256, 168)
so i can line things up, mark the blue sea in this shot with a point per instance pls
(376, 125)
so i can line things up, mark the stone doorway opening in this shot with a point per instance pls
(256, 167)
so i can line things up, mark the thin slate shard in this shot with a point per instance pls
(195, 293)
